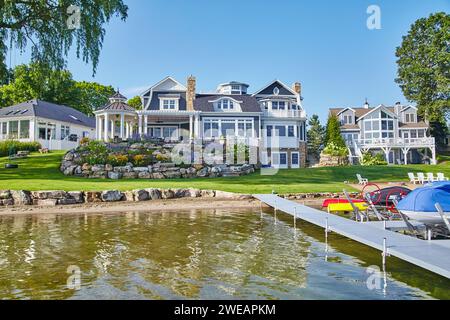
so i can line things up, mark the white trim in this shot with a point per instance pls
(343, 110)
(279, 166)
(298, 164)
(381, 106)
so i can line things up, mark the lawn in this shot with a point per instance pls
(41, 172)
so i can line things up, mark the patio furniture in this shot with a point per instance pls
(441, 177)
(431, 177)
(362, 180)
(412, 178)
(421, 177)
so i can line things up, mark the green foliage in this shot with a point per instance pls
(95, 152)
(140, 160)
(117, 160)
(38, 81)
(316, 136)
(241, 149)
(333, 132)
(91, 96)
(135, 102)
(423, 70)
(47, 27)
(162, 157)
(7, 145)
(368, 159)
(335, 150)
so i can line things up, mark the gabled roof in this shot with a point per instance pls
(48, 110)
(205, 102)
(381, 106)
(268, 89)
(178, 86)
(118, 106)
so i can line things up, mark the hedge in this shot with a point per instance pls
(6, 146)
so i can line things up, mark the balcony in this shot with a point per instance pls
(284, 113)
(427, 142)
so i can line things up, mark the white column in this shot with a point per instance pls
(105, 138)
(190, 127)
(196, 126)
(146, 124)
(140, 124)
(433, 154)
(112, 129)
(122, 120)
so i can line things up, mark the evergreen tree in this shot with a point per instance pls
(316, 136)
(333, 132)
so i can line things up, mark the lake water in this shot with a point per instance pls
(198, 254)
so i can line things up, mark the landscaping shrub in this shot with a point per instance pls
(117, 160)
(6, 146)
(335, 150)
(162, 158)
(94, 152)
(368, 159)
(84, 141)
(140, 160)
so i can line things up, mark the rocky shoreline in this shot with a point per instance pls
(51, 198)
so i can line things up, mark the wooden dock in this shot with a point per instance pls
(431, 255)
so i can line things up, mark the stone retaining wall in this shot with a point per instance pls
(59, 197)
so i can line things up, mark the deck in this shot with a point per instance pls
(431, 255)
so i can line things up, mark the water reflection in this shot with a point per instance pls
(208, 254)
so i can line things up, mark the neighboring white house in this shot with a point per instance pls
(272, 118)
(396, 131)
(55, 127)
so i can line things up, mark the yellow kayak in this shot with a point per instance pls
(345, 207)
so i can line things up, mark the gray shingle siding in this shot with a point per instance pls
(269, 90)
(154, 104)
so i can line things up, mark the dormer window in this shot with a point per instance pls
(225, 104)
(347, 119)
(169, 104)
(278, 105)
(410, 118)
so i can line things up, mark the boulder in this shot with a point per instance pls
(141, 195)
(98, 175)
(140, 169)
(226, 195)
(194, 193)
(68, 156)
(128, 196)
(45, 202)
(78, 171)
(5, 194)
(172, 174)
(22, 197)
(54, 194)
(108, 167)
(207, 193)
(111, 195)
(86, 167)
(93, 196)
(136, 146)
(158, 175)
(123, 169)
(66, 201)
(114, 175)
(144, 175)
(181, 193)
(69, 170)
(98, 168)
(204, 172)
(78, 196)
(154, 194)
(130, 175)
(167, 194)
(8, 202)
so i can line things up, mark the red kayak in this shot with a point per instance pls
(327, 202)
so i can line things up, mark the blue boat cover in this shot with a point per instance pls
(424, 199)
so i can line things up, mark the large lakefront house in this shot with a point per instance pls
(397, 131)
(271, 118)
(54, 126)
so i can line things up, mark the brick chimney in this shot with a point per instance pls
(297, 87)
(190, 95)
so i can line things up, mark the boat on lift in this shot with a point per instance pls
(420, 204)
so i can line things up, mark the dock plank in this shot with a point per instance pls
(426, 254)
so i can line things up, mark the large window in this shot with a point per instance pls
(278, 105)
(410, 118)
(65, 132)
(46, 131)
(225, 104)
(13, 129)
(4, 128)
(347, 119)
(169, 104)
(213, 128)
(24, 129)
(378, 125)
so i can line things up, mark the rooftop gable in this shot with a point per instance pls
(284, 90)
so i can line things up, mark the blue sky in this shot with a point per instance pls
(323, 44)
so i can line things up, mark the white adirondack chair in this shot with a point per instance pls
(431, 177)
(362, 180)
(412, 178)
(441, 177)
(421, 177)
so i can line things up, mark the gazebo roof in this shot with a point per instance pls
(117, 102)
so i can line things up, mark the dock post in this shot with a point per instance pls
(430, 235)
(384, 224)
(275, 212)
(326, 228)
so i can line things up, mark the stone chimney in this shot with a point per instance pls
(397, 108)
(297, 87)
(190, 95)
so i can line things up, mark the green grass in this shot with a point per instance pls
(41, 172)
